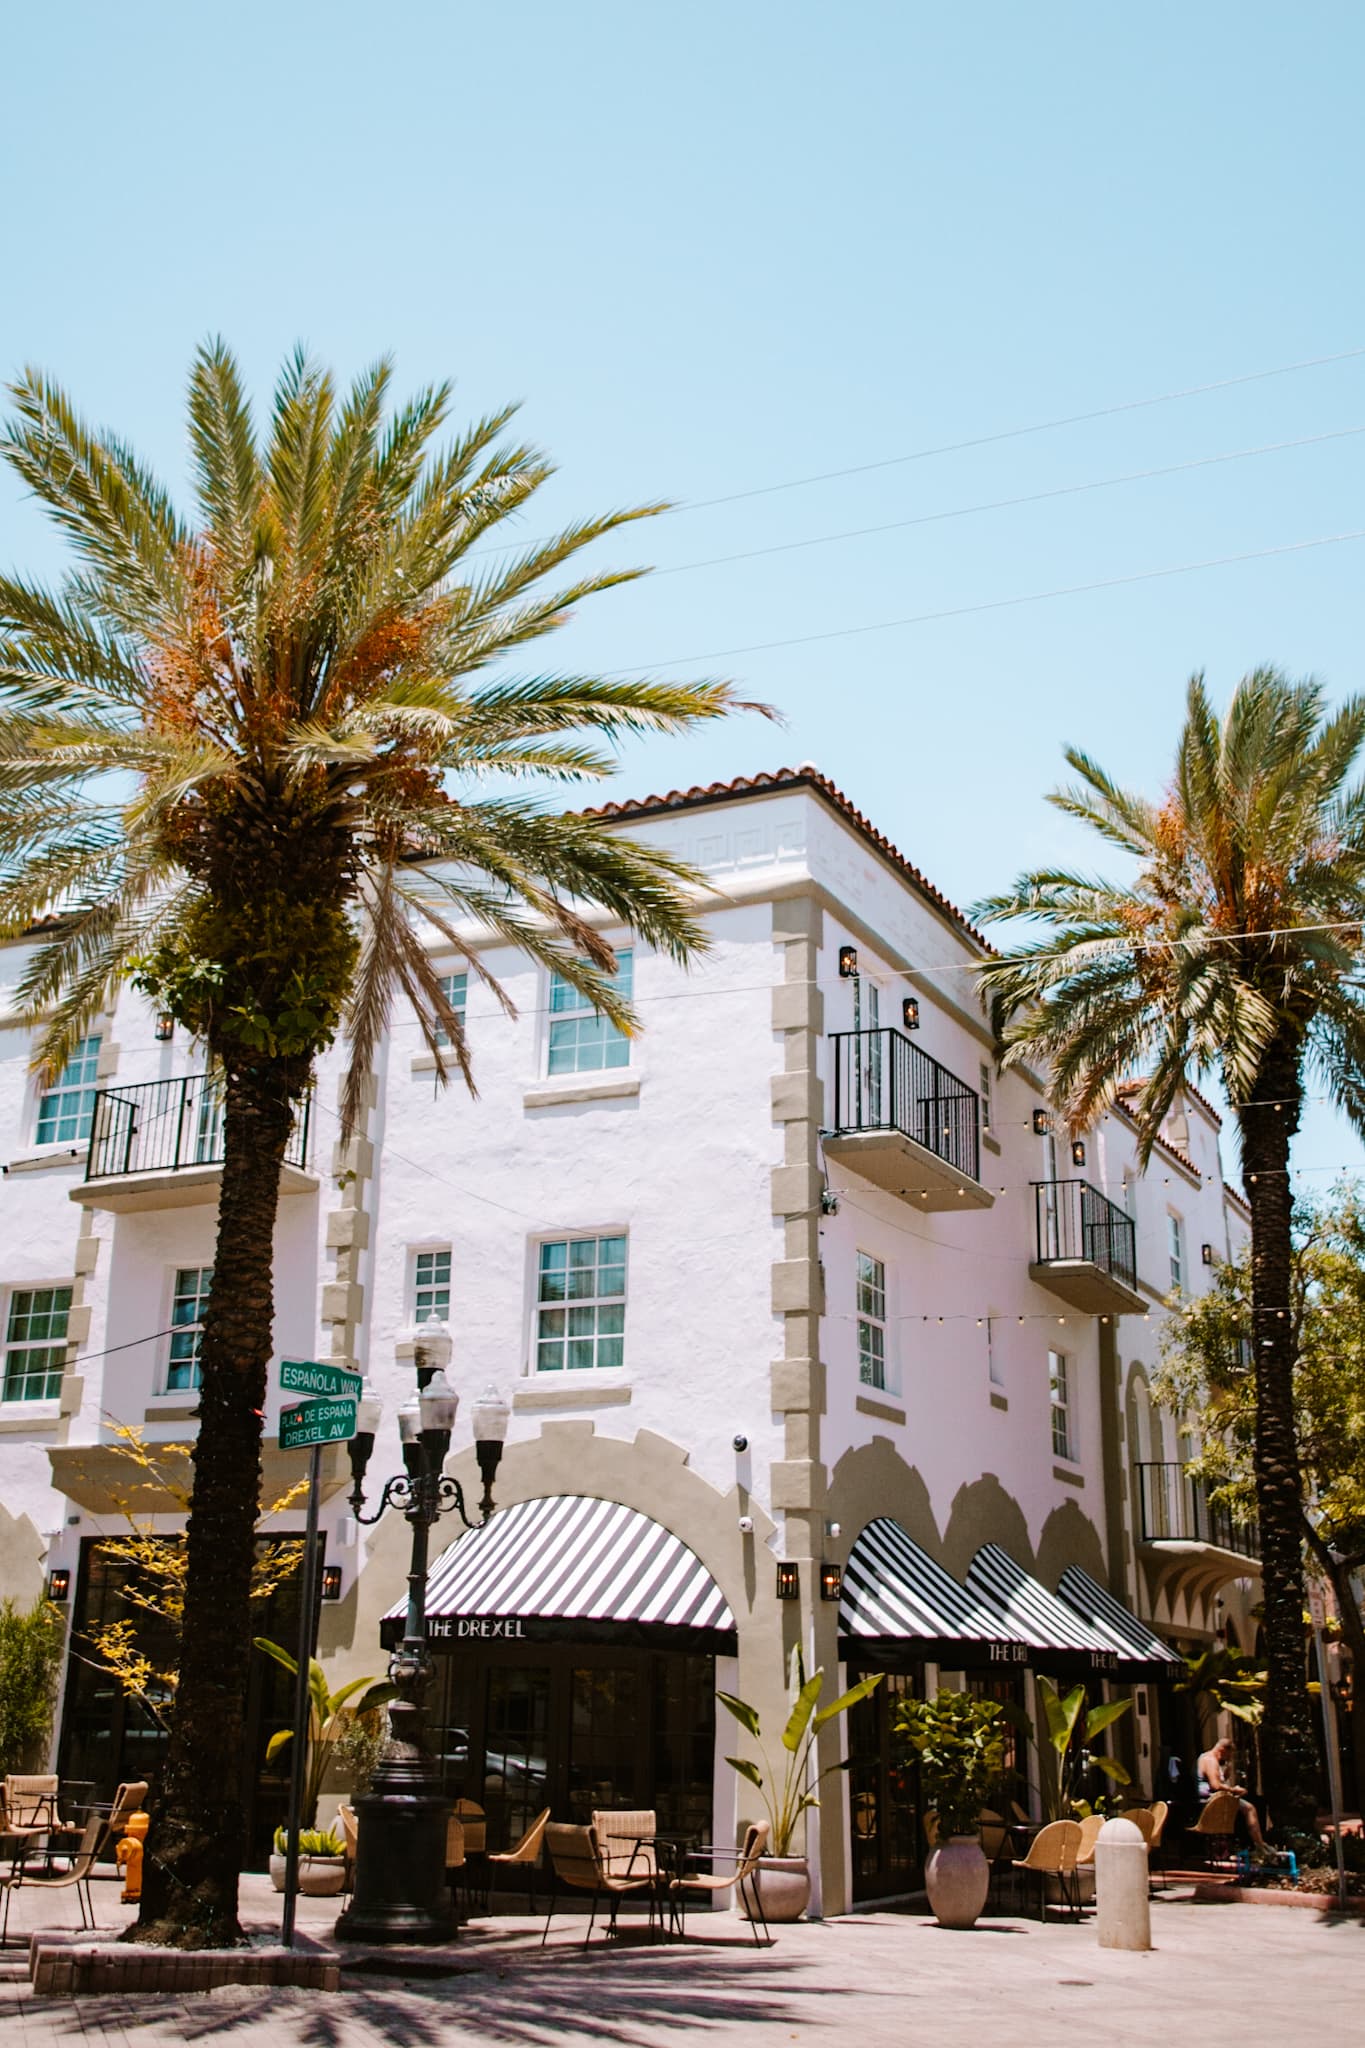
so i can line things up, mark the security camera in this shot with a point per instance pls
(741, 1443)
(746, 1525)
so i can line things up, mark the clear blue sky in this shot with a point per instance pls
(719, 247)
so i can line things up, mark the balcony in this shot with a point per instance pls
(1086, 1248)
(160, 1145)
(905, 1123)
(1194, 1543)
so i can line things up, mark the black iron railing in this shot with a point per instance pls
(1173, 1507)
(161, 1126)
(883, 1082)
(1075, 1221)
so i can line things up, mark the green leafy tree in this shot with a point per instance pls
(959, 1742)
(332, 1720)
(258, 759)
(1073, 1730)
(31, 1644)
(1207, 1376)
(1233, 947)
(786, 1797)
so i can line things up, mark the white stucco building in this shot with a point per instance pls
(795, 1274)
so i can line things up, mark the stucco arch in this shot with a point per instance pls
(983, 1512)
(873, 1480)
(1069, 1537)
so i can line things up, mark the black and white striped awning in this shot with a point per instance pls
(570, 1568)
(1143, 1655)
(896, 1598)
(1058, 1636)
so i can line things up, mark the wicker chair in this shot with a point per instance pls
(625, 1840)
(525, 1855)
(1052, 1853)
(1217, 1825)
(30, 1802)
(75, 1877)
(576, 1861)
(746, 1871)
(1090, 1834)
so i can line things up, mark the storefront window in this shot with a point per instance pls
(883, 1791)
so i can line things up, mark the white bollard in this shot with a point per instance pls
(1123, 1911)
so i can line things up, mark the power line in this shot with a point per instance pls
(1103, 483)
(960, 611)
(976, 441)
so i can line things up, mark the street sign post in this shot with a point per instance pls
(329, 1418)
(316, 1422)
(311, 1376)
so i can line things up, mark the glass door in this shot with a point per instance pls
(883, 1792)
(516, 1749)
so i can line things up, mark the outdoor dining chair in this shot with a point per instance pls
(348, 1822)
(625, 1839)
(1156, 1853)
(576, 1861)
(1052, 1854)
(31, 1802)
(525, 1855)
(747, 1872)
(1217, 1825)
(1090, 1834)
(474, 1823)
(75, 1877)
(996, 1847)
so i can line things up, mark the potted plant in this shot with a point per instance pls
(959, 1741)
(784, 1878)
(334, 1719)
(322, 1862)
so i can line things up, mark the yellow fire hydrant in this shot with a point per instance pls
(128, 1856)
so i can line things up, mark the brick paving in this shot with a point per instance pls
(1219, 1975)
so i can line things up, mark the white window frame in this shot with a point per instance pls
(871, 1322)
(13, 1347)
(455, 989)
(984, 1077)
(179, 1329)
(420, 1282)
(1062, 1412)
(614, 1304)
(601, 1036)
(82, 1089)
(1176, 1249)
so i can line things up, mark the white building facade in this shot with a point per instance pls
(795, 1280)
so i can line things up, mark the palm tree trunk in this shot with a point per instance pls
(195, 1851)
(1289, 1750)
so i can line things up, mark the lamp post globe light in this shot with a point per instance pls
(400, 1867)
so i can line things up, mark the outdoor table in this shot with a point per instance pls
(670, 1852)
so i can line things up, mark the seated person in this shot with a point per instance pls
(1214, 1769)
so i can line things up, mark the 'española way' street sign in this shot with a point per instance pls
(311, 1376)
(316, 1422)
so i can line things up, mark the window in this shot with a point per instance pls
(871, 1321)
(1059, 1390)
(191, 1298)
(431, 1287)
(1177, 1231)
(581, 1303)
(35, 1343)
(985, 1081)
(67, 1108)
(582, 1041)
(454, 987)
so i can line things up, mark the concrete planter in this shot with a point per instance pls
(957, 1878)
(783, 1884)
(320, 1877)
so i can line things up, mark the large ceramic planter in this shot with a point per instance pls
(320, 1877)
(783, 1884)
(957, 1878)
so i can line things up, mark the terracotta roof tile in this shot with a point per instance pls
(805, 777)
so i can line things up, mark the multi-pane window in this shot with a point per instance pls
(67, 1108)
(1177, 1236)
(582, 1040)
(984, 1076)
(1059, 1391)
(454, 987)
(190, 1299)
(581, 1303)
(431, 1286)
(35, 1343)
(871, 1321)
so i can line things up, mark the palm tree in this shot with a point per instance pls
(252, 760)
(1233, 948)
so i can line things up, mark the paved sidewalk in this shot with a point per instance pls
(1219, 1976)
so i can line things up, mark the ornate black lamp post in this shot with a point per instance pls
(400, 1889)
